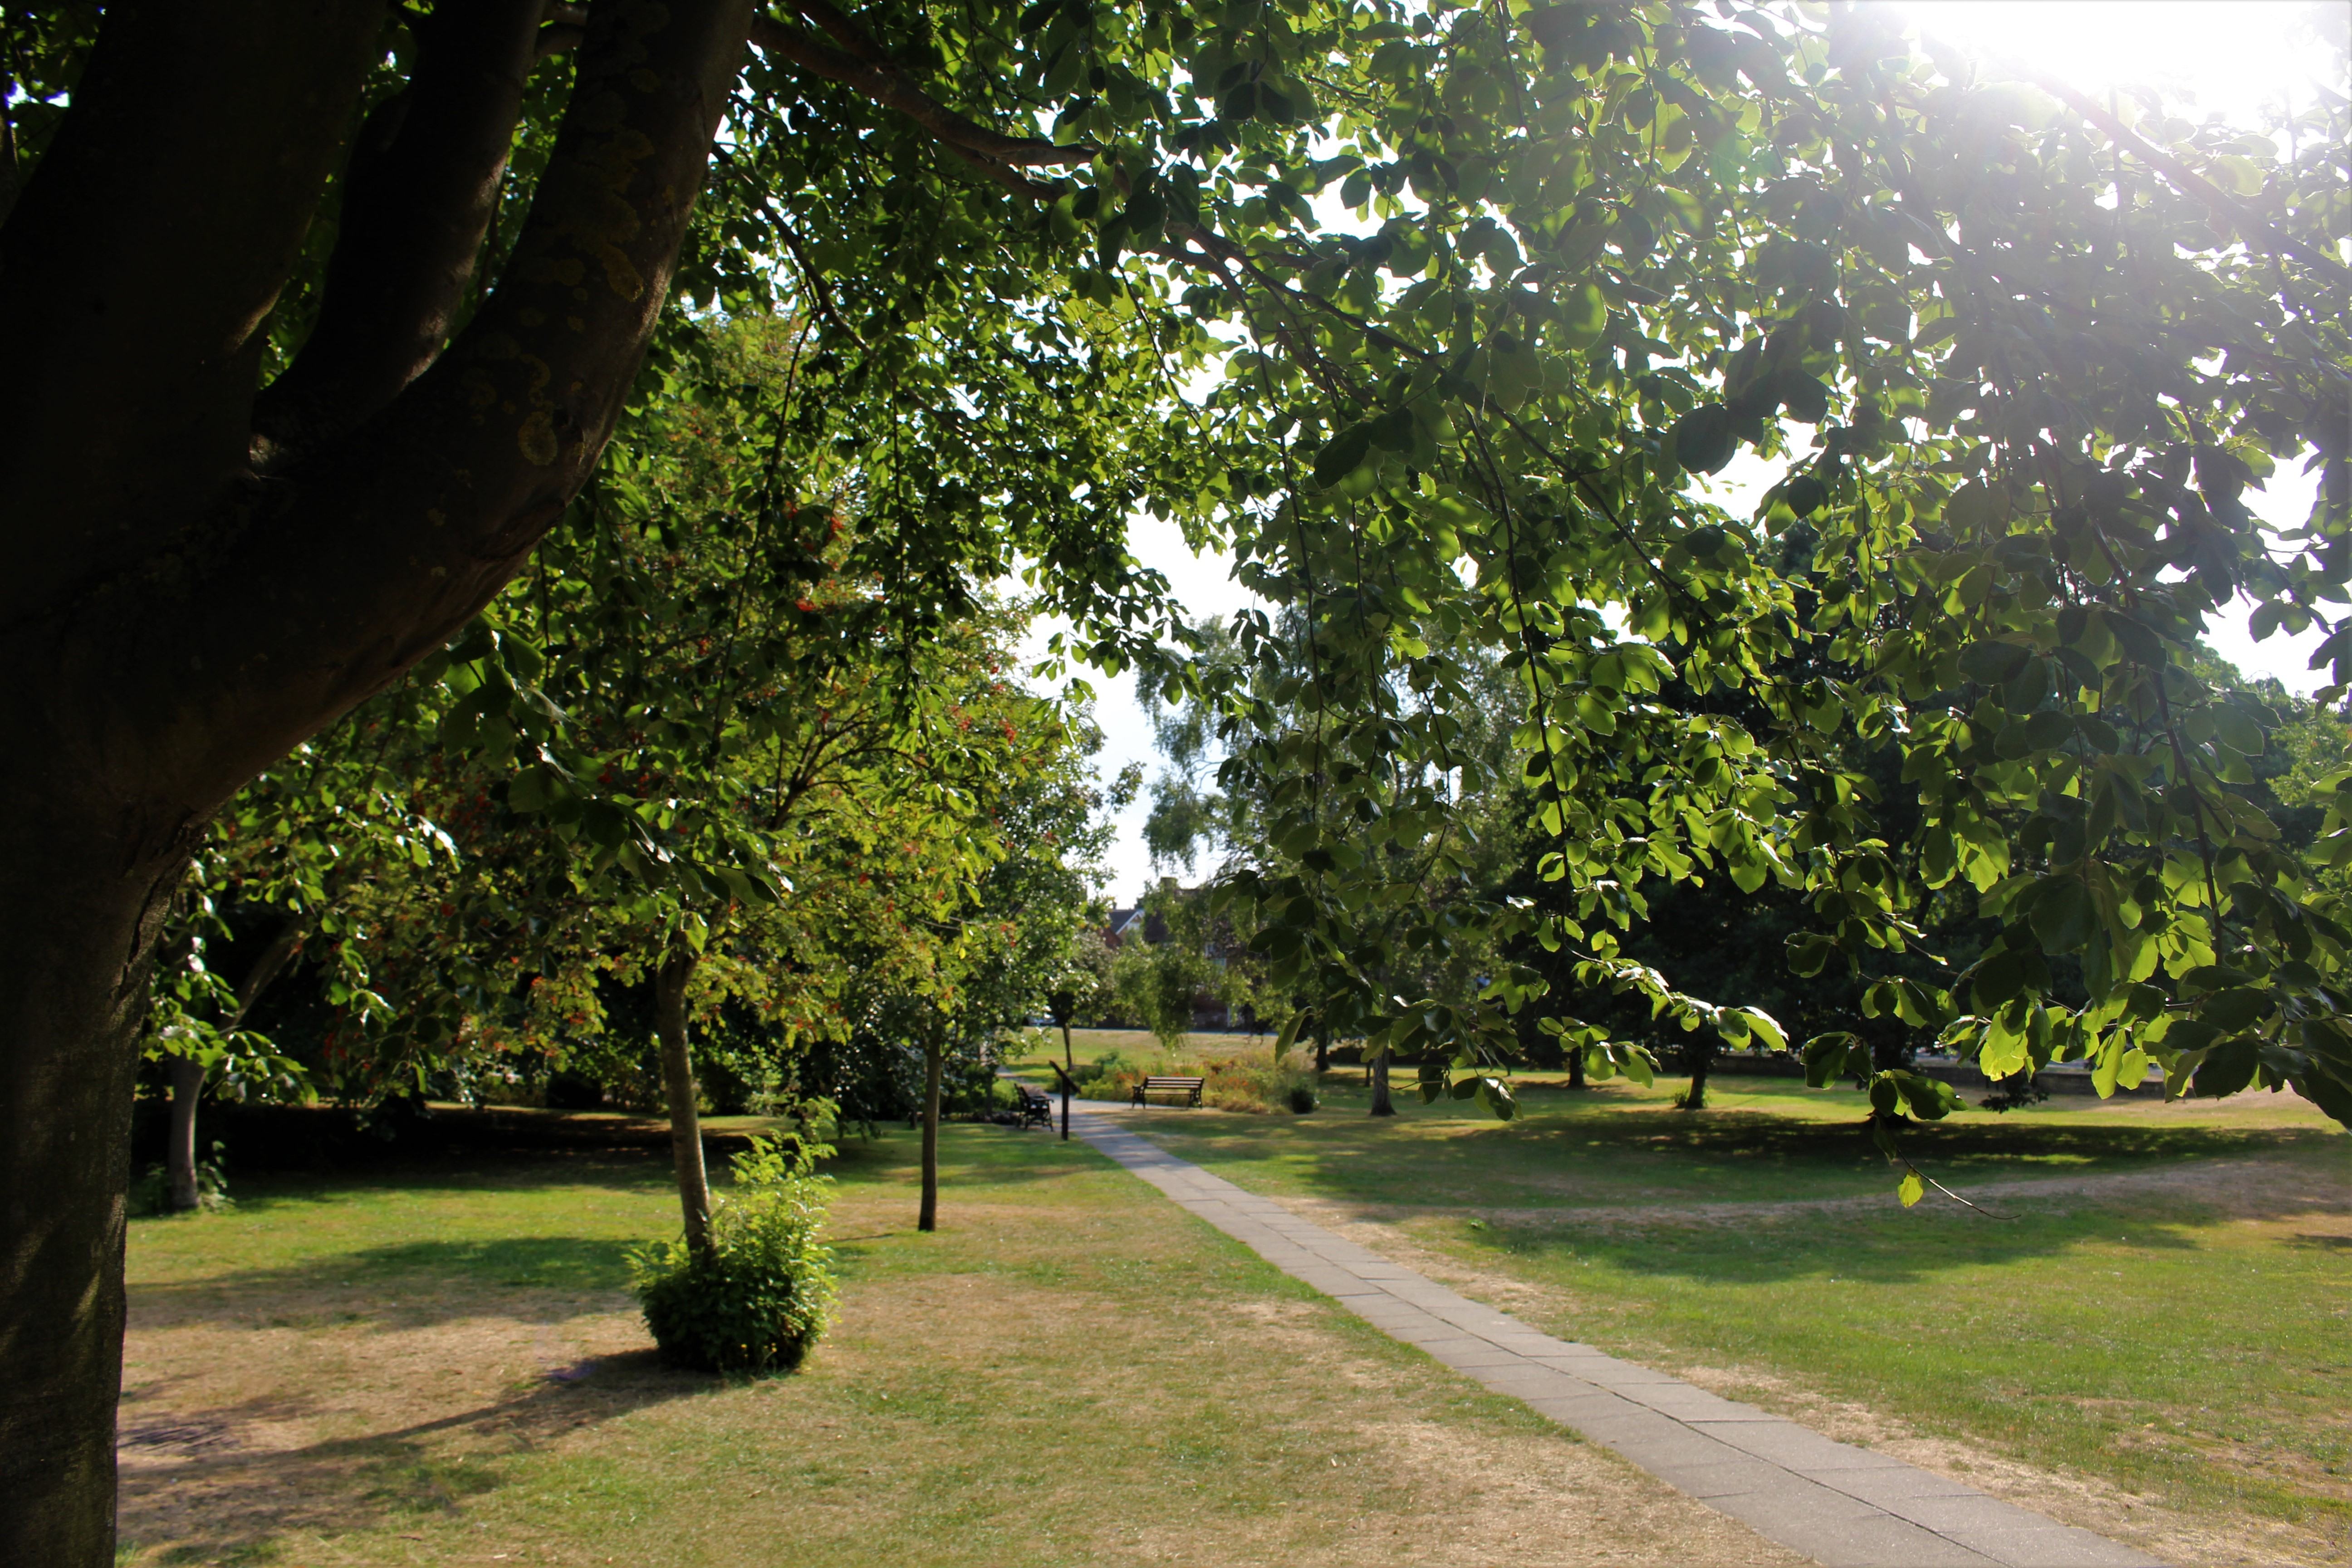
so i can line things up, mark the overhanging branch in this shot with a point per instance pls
(2256, 229)
(870, 72)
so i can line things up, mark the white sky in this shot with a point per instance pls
(2225, 56)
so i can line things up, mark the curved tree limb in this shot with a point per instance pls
(140, 262)
(2256, 229)
(421, 194)
(289, 598)
(871, 73)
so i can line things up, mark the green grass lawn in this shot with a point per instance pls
(435, 1363)
(2165, 1304)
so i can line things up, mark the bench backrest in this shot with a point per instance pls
(1173, 1082)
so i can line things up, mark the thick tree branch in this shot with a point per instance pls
(9, 183)
(891, 85)
(140, 262)
(282, 947)
(296, 596)
(842, 30)
(2256, 229)
(420, 195)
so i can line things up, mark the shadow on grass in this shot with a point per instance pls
(405, 1285)
(1893, 1247)
(543, 1278)
(203, 1493)
(1613, 1152)
(275, 1195)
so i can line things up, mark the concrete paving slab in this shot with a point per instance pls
(1954, 1515)
(2058, 1546)
(1464, 1353)
(1887, 1485)
(1709, 1479)
(1680, 1399)
(1798, 1448)
(1678, 1448)
(1588, 1410)
(1611, 1373)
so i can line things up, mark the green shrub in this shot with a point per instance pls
(152, 1193)
(1110, 1076)
(1259, 1088)
(756, 1299)
(1236, 1085)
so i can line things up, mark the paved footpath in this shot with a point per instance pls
(1845, 1506)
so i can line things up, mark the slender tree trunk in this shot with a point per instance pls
(929, 1216)
(1701, 1057)
(188, 1078)
(73, 970)
(179, 1157)
(1382, 1104)
(1576, 1068)
(1322, 1052)
(677, 1080)
(1069, 1063)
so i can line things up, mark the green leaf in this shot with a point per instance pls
(1809, 952)
(2064, 915)
(1767, 1028)
(2236, 730)
(2138, 643)
(1344, 453)
(1805, 398)
(1702, 438)
(1929, 1099)
(1910, 1189)
(2048, 730)
(1583, 316)
(1827, 1058)
(1989, 663)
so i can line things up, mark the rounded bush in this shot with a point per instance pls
(756, 1297)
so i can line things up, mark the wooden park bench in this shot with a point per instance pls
(1036, 1109)
(1189, 1088)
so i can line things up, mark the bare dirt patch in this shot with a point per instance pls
(310, 1415)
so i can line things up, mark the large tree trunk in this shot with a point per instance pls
(180, 1155)
(191, 618)
(1576, 1068)
(1322, 1052)
(72, 989)
(677, 1083)
(928, 1217)
(1379, 1076)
